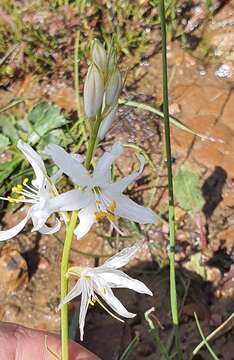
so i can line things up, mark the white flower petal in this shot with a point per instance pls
(87, 218)
(109, 297)
(9, 234)
(54, 178)
(68, 201)
(74, 292)
(102, 171)
(121, 185)
(84, 308)
(123, 257)
(39, 216)
(36, 162)
(68, 164)
(118, 279)
(130, 210)
(48, 230)
(107, 123)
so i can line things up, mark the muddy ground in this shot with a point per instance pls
(202, 97)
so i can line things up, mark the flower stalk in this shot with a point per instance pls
(64, 283)
(171, 211)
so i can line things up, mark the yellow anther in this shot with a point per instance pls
(92, 301)
(17, 189)
(103, 291)
(104, 215)
(10, 199)
(111, 217)
(26, 180)
(101, 215)
(21, 197)
(112, 206)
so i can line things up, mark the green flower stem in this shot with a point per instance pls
(171, 211)
(93, 141)
(64, 284)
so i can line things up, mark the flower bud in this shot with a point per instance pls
(93, 91)
(99, 56)
(113, 88)
(107, 123)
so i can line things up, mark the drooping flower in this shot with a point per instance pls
(96, 283)
(41, 197)
(105, 199)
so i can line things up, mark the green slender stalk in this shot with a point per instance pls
(175, 122)
(64, 284)
(76, 71)
(212, 336)
(155, 333)
(171, 211)
(93, 141)
(130, 348)
(212, 353)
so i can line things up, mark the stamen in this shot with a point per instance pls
(25, 181)
(93, 300)
(101, 215)
(103, 291)
(111, 217)
(112, 206)
(17, 189)
(107, 310)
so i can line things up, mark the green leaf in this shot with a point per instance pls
(187, 190)
(4, 142)
(7, 168)
(7, 125)
(44, 117)
(56, 136)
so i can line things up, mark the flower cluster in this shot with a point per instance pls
(95, 195)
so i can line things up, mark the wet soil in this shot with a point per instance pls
(201, 96)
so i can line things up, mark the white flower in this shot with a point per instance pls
(105, 199)
(41, 196)
(96, 283)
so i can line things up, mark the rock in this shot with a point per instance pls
(226, 237)
(11, 312)
(13, 271)
(43, 263)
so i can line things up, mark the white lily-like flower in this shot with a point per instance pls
(96, 283)
(105, 199)
(41, 197)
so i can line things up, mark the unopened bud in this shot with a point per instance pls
(107, 123)
(93, 91)
(99, 56)
(113, 88)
